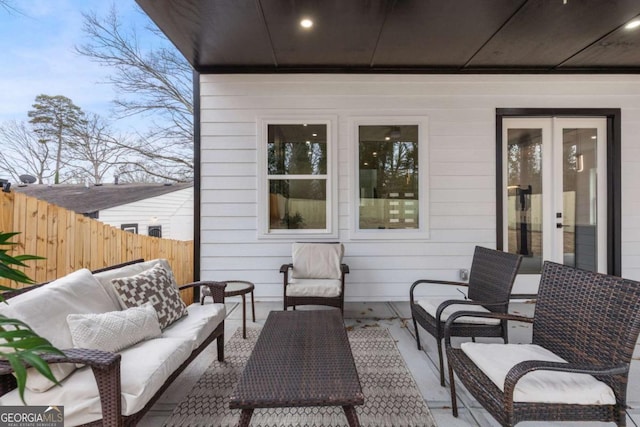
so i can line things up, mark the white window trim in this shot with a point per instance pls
(420, 233)
(331, 231)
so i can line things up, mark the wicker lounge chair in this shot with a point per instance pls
(317, 275)
(490, 282)
(588, 319)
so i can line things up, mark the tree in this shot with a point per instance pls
(55, 119)
(156, 82)
(93, 151)
(23, 152)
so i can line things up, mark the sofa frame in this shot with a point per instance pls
(106, 365)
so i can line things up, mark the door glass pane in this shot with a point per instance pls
(579, 220)
(524, 184)
(297, 204)
(388, 177)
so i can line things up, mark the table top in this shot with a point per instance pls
(237, 287)
(301, 358)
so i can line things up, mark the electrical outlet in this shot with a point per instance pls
(464, 274)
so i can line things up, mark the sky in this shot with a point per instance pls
(37, 56)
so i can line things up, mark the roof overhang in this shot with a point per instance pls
(402, 36)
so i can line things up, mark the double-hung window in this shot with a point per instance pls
(390, 166)
(296, 185)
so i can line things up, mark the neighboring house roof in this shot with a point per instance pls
(85, 200)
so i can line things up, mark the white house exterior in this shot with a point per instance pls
(172, 211)
(457, 117)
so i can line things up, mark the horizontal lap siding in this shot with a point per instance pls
(461, 169)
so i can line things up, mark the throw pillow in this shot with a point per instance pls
(152, 286)
(115, 330)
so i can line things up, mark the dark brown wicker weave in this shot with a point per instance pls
(490, 281)
(327, 301)
(302, 358)
(106, 365)
(591, 320)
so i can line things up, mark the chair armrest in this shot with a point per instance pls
(98, 359)
(523, 368)
(502, 316)
(216, 289)
(285, 267)
(449, 302)
(344, 268)
(436, 282)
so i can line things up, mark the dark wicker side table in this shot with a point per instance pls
(235, 288)
(302, 358)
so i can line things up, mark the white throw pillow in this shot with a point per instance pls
(115, 330)
(152, 286)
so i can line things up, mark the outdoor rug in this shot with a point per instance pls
(392, 398)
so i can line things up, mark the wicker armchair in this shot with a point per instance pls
(317, 275)
(589, 320)
(490, 281)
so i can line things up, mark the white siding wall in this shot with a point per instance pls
(173, 211)
(461, 169)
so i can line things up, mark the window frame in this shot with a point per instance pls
(331, 229)
(420, 233)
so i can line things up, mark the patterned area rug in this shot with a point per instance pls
(391, 396)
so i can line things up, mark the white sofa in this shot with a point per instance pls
(110, 387)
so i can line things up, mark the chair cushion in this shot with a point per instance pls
(144, 368)
(46, 309)
(198, 325)
(495, 360)
(152, 286)
(114, 330)
(314, 288)
(317, 260)
(430, 305)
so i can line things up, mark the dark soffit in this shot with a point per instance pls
(438, 36)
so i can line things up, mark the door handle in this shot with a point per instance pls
(559, 225)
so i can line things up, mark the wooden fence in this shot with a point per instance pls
(69, 241)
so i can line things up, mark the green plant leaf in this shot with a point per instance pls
(19, 371)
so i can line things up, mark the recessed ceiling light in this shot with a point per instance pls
(306, 23)
(314, 134)
(633, 24)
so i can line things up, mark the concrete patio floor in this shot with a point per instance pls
(396, 317)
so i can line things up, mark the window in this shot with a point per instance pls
(390, 175)
(297, 187)
(131, 228)
(154, 230)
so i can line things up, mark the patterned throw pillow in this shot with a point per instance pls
(152, 286)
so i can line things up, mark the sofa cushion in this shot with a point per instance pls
(431, 305)
(129, 270)
(326, 288)
(495, 360)
(152, 286)
(198, 325)
(317, 260)
(46, 308)
(114, 330)
(144, 369)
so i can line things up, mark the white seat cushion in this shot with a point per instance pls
(314, 288)
(495, 360)
(144, 369)
(198, 325)
(317, 260)
(46, 308)
(431, 305)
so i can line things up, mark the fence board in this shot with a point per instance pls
(69, 242)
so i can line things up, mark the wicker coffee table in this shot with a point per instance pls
(302, 358)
